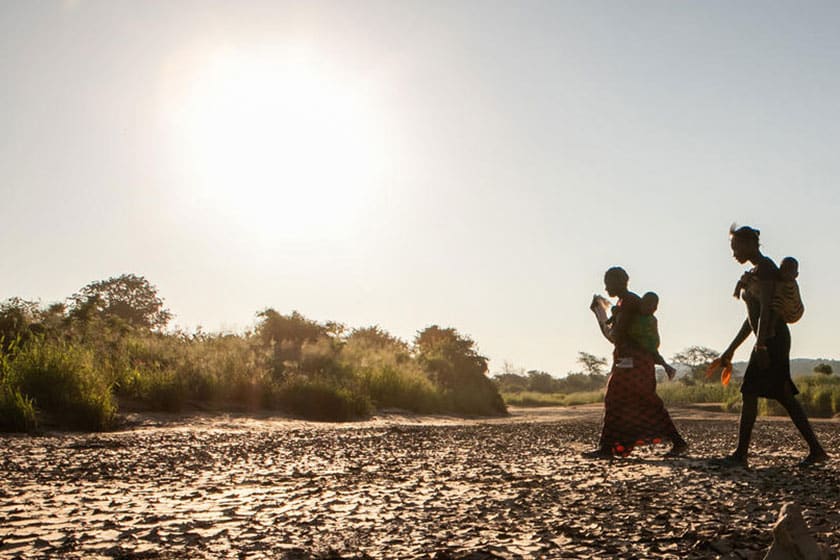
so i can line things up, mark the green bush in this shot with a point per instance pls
(820, 395)
(733, 403)
(161, 390)
(78, 359)
(165, 371)
(480, 399)
(680, 393)
(534, 398)
(317, 399)
(17, 411)
(61, 380)
(584, 397)
(770, 407)
(819, 404)
(391, 386)
(537, 399)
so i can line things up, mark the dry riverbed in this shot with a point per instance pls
(402, 486)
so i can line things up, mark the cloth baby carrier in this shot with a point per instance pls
(786, 301)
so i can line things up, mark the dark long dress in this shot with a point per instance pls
(772, 381)
(633, 412)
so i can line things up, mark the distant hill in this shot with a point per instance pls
(799, 366)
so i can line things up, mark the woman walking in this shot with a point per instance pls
(633, 412)
(768, 371)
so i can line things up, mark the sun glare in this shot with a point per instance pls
(279, 143)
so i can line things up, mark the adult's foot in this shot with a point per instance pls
(598, 453)
(678, 449)
(814, 458)
(734, 461)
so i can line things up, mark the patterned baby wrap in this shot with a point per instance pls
(786, 301)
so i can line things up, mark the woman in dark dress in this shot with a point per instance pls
(768, 371)
(633, 412)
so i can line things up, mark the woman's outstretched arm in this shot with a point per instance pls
(597, 307)
(726, 357)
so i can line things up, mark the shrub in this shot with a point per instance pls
(161, 390)
(584, 397)
(770, 407)
(533, 398)
(61, 381)
(536, 398)
(165, 371)
(391, 386)
(317, 399)
(819, 403)
(17, 411)
(680, 393)
(453, 363)
(820, 395)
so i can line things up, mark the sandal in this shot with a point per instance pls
(677, 450)
(598, 453)
(813, 459)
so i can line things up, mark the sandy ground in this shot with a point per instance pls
(401, 486)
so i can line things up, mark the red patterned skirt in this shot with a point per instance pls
(633, 413)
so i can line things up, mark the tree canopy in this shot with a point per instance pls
(129, 297)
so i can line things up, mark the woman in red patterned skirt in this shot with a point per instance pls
(633, 412)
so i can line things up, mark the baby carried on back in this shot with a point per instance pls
(643, 331)
(787, 301)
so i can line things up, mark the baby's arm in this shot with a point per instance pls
(659, 360)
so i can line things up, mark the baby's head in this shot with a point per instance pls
(789, 269)
(650, 301)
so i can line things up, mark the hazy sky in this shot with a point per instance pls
(468, 164)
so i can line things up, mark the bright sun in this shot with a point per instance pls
(279, 143)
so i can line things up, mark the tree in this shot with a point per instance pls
(511, 379)
(541, 382)
(17, 317)
(592, 365)
(450, 356)
(453, 362)
(697, 359)
(376, 338)
(288, 334)
(369, 346)
(824, 369)
(128, 297)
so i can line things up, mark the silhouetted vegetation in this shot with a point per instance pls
(824, 369)
(71, 364)
(820, 394)
(592, 379)
(696, 359)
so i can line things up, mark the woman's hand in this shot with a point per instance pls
(598, 308)
(726, 358)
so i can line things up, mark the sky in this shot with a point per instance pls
(471, 164)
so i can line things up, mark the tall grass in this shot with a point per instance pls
(71, 366)
(61, 383)
(680, 393)
(535, 399)
(166, 372)
(818, 394)
(317, 399)
(389, 386)
(17, 411)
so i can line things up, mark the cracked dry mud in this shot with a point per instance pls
(405, 487)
